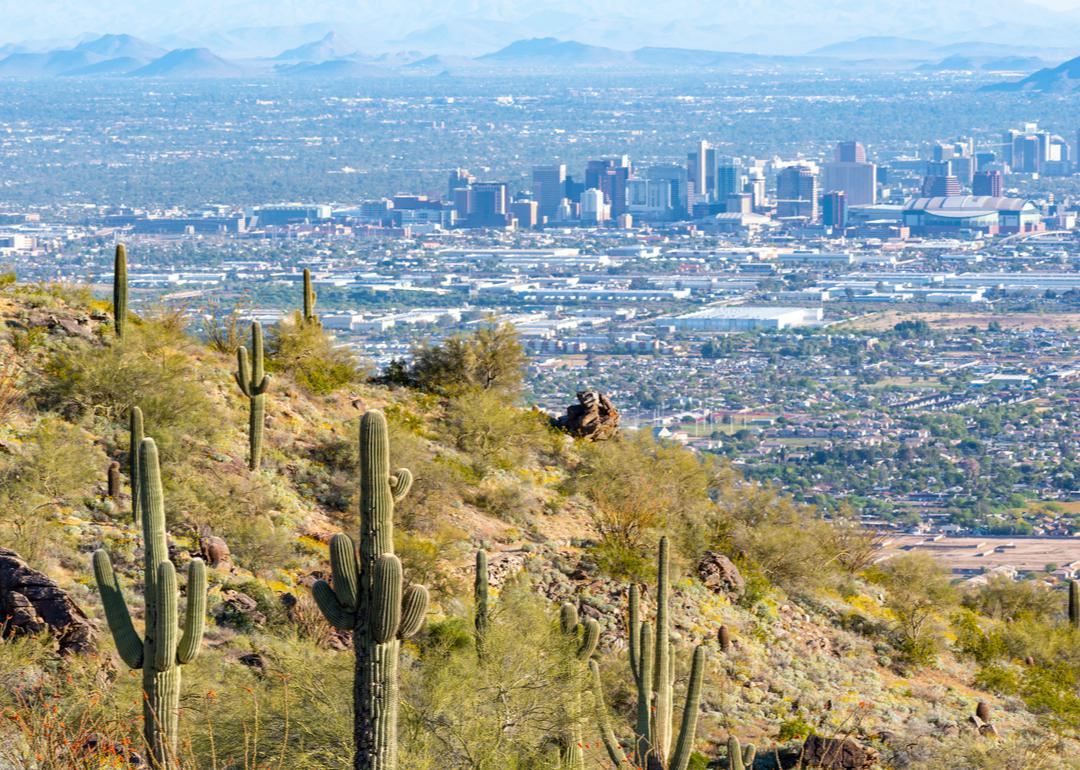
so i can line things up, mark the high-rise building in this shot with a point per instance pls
(649, 199)
(549, 188)
(987, 183)
(1028, 153)
(609, 175)
(459, 178)
(850, 152)
(940, 180)
(676, 178)
(755, 185)
(701, 171)
(797, 193)
(489, 205)
(594, 206)
(728, 178)
(739, 203)
(526, 212)
(834, 210)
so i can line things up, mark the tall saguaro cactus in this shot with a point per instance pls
(481, 611)
(162, 649)
(253, 382)
(120, 290)
(135, 439)
(1074, 604)
(367, 599)
(309, 300)
(652, 665)
(584, 635)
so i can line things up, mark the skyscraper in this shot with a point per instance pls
(797, 193)
(987, 183)
(939, 180)
(728, 178)
(676, 178)
(489, 205)
(549, 188)
(609, 175)
(459, 178)
(851, 174)
(594, 208)
(701, 171)
(834, 210)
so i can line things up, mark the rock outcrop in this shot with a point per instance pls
(31, 603)
(719, 574)
(594, 417)
(837, 754)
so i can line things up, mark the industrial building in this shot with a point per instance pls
(967, 213)
(747, 318)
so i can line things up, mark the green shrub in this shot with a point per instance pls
(310, 356)
(489, 359)
(493, 434)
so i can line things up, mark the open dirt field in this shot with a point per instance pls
(965, 555)
(887, 319)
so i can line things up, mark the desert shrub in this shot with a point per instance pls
(918, 592)
(1003, 598)
(459, 712)
(1023, 751)
(249, 511)
(489, 359)
(154, 368)
(309, 355)
(493, 434)
(54, 469)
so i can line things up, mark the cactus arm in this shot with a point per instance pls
(748, 755)
(135, 437)
(243, 373)
(194, 613)
(568, 618)
(386, 607)
(345, 572)
(589, 638)
(336, 614)
(480, 602)
(684, 746)
(644, 729)
(257, 371)
(633, 632)
(662, 664)
(401, 483)
(614, 750)
(155, 548)
(260, 389)
(413, 608)
(128, 642)
(165, 637)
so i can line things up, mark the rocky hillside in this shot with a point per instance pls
(806, 640)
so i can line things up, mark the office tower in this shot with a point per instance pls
(1007, 139)
(834, 210)
(857, 179)
(1027, 154)
(943, 152)
(728, 178)
(984, 159)
(526, 212)
(649, 199)
(489, 205)
(797, 193)
(573, 189)
(940, 180)
(549, 188)
(463, 202)
(701, 172)
(609, 175)
(987, 183)
(676, 178)
(459, 178)
(594, 207)
(755, 185)
(850, 152)
(739, 203)
(963, 167)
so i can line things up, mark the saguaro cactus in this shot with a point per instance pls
(162, 650)
(135, 439)
(309, 300)
(481, 616)
(739, 757)
(367, 599)
(652, 665)
(585, 636)
(119, 294)
(253, 382)
(114, 481)
(1074, 604)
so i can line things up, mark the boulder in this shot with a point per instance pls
(238, 610)
(32, 603)
(594, 417)
(837, 754)
(214, 550)
(720, 575)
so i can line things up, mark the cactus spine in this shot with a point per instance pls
(481, 610)
(162, 650)
(120, 290)
(135, 439)
(253, 382)
(1074, 604)
(367, 599)
(652, 665)
(584, 635)
(309, 300)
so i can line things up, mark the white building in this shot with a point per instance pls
(747, 318)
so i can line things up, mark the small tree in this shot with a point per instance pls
(489, 359)
(919, 591)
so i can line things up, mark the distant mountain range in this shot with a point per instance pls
(1062, 79)
(333, 56)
